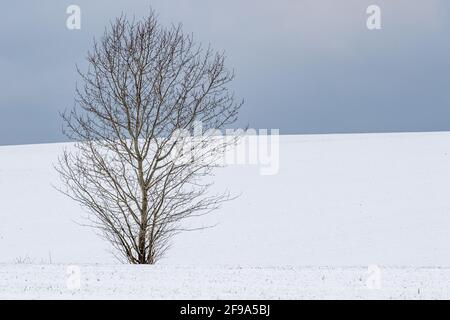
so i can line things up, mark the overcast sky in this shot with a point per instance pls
(303, 66)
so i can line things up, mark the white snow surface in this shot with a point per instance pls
(338, 204)
(220, 282)
(338, 200)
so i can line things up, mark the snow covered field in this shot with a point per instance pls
(182, 282)
(338, 200)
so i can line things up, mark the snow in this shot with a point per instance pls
(337, 201)
(220, 282)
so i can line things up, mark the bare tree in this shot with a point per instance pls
(132, 166)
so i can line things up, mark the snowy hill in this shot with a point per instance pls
(338, 200)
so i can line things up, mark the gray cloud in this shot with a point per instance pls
(304, 66)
